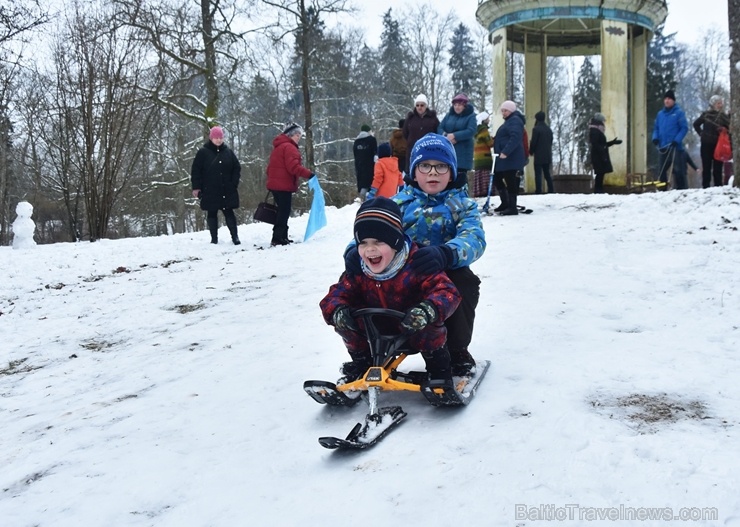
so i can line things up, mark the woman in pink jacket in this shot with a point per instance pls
(283, 170)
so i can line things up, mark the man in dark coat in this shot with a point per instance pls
(508, 144)
(215, 176)
(419, 122)
(600, 160)
(365, 149)
(540, 147)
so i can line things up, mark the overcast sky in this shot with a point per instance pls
(685, 17)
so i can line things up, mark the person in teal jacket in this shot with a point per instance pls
(446, 225)
(669, 131)
(459, 127)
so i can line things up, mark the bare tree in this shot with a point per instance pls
(96, 135)
(429, 34)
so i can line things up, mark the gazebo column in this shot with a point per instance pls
(535, 96)
(614, 104)
(498, 86)
(638, 114)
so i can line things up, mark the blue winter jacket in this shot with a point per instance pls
(450, 218)
(464, 126)
(509, 140)
(670, 127)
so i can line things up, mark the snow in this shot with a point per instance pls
(158, 381)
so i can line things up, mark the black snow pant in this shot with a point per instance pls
(460, 324)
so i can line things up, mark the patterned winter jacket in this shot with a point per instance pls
(450, 218)
(401, 292)
(482, 159)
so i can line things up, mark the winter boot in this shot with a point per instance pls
(213, 227)
(438, 364)
(462, 362)
(512, 209)
(504, 201)
(231, 224)
(355, 369)
(279, 236)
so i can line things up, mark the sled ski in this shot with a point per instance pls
(388, 352)
(365, 435)
(326, 393)
(459, 392)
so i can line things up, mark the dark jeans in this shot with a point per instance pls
(460, 324)
(711, 169)
(539, 170)
(599, 184)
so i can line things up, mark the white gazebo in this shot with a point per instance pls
(618, 30)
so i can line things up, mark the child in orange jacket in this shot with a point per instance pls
(387, 177)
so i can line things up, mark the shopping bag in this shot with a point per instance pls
(723, 150)
(317, 215)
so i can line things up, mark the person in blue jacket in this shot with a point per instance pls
(459, 127)
(670, 128)
(509, 147)
(446, 225)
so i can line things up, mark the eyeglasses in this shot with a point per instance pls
(426, 168)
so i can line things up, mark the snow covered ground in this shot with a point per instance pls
(158, 381)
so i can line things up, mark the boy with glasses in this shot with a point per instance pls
(446, 225)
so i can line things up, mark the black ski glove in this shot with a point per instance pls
(352, 261)
(432, 259)
(617, 141)
(419, 316)
(343, 320)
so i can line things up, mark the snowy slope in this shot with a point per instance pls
(158, 381)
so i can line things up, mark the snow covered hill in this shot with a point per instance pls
(158, 381)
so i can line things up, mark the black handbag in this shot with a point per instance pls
(266, 212)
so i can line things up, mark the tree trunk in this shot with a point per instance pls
(733, 18)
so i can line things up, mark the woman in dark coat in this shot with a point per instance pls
(600, 160)
(215, 178)
(508, 144)
(459, 126)
(419, 122)
(283, 170)
(708, 125)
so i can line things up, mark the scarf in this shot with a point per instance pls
(392, 270)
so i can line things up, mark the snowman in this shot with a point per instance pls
(23, 226)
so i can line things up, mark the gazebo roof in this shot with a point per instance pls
(567, 24)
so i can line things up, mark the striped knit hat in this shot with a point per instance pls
(380, 218)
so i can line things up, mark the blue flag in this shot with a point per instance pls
(317, 216)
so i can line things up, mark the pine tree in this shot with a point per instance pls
(463, 61)
(663, 52)
(394, 64)
(586, 102)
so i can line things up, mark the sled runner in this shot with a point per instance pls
(388, 352)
